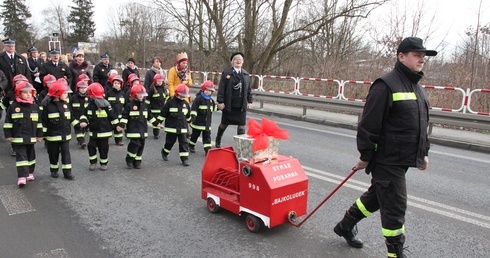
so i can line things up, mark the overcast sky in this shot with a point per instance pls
(452, 17)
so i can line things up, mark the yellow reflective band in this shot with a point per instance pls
(104, 161)
(54, 115)
(39, 126)
(362, 208)
(138, 158)
(65, 166)
(193, 113)
(155, 111)
(393, 232)
(134, 113)
(101, 113)
(34, 117)
(399, 96)
(68, 114)
(104, 135)
(53, 138)
(392, 255)
(203, 107)
(198, 127)
(174, 110)
(32, 162)
(54, 166)
(170, 130)
(207, 145)
(8, 125)
(89, 112)
(183, 154)
(23, 163)
(77, 105)
(17, 115)
(124, 120)
(111, 98)
(80, 135)
(132, 155)
(122, 100)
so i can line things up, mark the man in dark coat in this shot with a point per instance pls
(12, 63)
(102, 70)
(56, 68)
(34, 65)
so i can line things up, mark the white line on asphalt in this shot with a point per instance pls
(14, 200)
(460, 156)
(323, 175)
(57, 253)
(1, 165)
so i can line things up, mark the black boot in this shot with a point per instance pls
(68, 175)
(192, 148)
(156, 133)
(185, 162)
(395, 246)
(164, 155)
(348, 230)
(240, 130)
(218, 137)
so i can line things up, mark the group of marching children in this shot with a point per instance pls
(102, 113)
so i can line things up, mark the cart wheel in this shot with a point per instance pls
(247, 170)
(253, 223)
(212, 206)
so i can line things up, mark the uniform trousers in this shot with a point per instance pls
(80, 134)
(55, 148)
(170, 140)
(102, 144)
(25, 159)
(206, 138)
(135, 150)
(387, 193)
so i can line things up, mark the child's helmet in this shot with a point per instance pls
(81, 84)
(118, 78)
(48, 78)
(208, 85)
(131, 78)
(65, 82)
(83, 77)
(95, 90)
(182, 91)
(19, 78)
(157, 77)
(111, 77)
(138, 90)
(56, 89)
(24, 86)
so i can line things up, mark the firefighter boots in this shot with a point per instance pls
(347, 229)
(395, 246)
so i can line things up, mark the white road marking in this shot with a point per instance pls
(14, 200)
(421, 203)
(57, 253)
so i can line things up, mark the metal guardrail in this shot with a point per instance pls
(436, 116)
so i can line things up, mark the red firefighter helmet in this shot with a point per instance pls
(81, 84)
(118, 78)
(138, 90)
(182, 91)
(83, 77)
(56, 89)
(111, 77)
(131, 78)
(48, 78)
(208, 85)
(95, 90)
(19, 78)
(65, 82)
(157, 77)
(22, 86)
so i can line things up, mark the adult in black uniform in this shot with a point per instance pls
(130, 69)
(102, 70)
(391, 137)
(234, 97)
(55, 67)
(34, 66)
(12, 63)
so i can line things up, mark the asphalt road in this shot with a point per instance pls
(157, 211)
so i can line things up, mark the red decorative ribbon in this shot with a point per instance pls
(260, 133)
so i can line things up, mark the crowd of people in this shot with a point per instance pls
(45, 100)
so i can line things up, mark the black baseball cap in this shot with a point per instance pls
(414, 44)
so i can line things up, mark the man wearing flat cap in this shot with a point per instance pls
(12, 63)
(102, 69)
(55, 67)
(391, 137)
(34, 65)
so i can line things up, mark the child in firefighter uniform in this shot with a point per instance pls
(57, 121)
(10, 98)
(78, 103)
(22, 128)
(47, 81)
(202, 110)
(117, 99)
(135, 119)
(157, 96)
(101, 121)
(176, 114)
